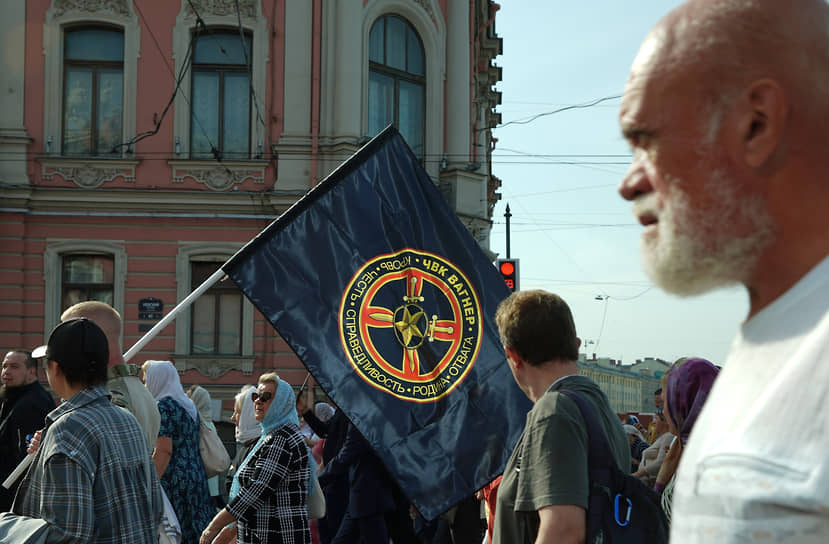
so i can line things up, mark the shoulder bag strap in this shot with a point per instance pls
(600, 455)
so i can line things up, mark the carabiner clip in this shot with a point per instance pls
(616, 510)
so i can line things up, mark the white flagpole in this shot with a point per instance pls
(167, 319)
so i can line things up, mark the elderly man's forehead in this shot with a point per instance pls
(662, 50)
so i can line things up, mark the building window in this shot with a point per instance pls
(86, 277)
(397, 81)
(216, 316)
(220, 114)
(93, 97)
(78, 270)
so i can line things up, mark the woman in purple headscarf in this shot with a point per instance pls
(688, 386)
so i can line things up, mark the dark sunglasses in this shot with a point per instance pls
(264, 397)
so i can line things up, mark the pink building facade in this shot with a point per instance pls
(142, 143)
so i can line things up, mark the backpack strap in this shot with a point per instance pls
(620, 507)
(599, 455)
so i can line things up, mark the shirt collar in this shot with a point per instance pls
(553, 385)
(80, 399)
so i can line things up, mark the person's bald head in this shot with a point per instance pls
(717, 48)
(107, 318)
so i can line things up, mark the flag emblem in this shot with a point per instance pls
(410, 324)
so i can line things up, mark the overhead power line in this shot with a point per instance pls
(559, 110)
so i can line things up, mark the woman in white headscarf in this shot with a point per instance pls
(201, 398)
(248, 430)
(176, 455)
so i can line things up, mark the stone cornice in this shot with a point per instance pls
(145, 201)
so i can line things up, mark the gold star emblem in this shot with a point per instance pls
(407, 327)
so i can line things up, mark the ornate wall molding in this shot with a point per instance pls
(219, 176)
(88, 173)
(97, 7)
(221, 8)
(214, 367)
(428, 8)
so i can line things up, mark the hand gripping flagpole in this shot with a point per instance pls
(180, 307)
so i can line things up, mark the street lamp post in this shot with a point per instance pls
(606, 299)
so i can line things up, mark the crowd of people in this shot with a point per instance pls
(119, 461)
(725, 110)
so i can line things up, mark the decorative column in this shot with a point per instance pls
(458, 77)
(13, 137)
(294, 147)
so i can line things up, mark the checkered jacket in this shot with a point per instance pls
(93, 478)
(272, 502)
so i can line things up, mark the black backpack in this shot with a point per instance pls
(621, 509)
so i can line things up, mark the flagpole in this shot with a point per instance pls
(180, 307)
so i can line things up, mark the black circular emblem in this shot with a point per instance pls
(410, 324)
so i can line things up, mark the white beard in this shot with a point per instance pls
(693, 251)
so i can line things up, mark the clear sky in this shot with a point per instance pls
(573, 233)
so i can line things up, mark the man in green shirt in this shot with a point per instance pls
(544, 492)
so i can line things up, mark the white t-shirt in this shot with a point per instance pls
(756, 467)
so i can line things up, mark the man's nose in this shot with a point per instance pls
(635, 183)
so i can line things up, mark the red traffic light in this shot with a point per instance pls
(508, 268)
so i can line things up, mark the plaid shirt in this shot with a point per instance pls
(93, 478)
(272, 503)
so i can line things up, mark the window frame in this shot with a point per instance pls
(85, 286)
(397, 75)
(256, 28)
(432, 30)
(95, 66)
(210, 365)
(57, 21)
(53, 273)
(222, 69)
(216, 291)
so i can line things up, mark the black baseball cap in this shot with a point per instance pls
(75, 343)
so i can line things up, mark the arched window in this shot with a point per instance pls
(397, 80)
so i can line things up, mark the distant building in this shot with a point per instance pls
(628, 387)
(651, 370)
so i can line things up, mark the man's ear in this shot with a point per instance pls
(763, 114)
(513, 358)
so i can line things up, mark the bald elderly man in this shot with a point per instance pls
(726, 110)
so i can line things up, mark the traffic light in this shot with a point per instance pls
(509, 271)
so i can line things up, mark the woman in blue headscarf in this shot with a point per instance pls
(268, 496)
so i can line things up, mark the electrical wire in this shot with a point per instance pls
(558, 110)
(185, 66)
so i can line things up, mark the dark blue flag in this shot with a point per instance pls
(389, 302)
